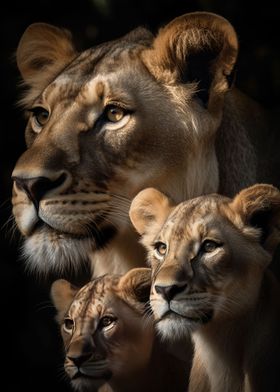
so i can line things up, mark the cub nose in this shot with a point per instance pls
(37, 187)
(79, 359)
(169, 292)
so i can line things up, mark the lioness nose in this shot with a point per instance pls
(79, 359)
(169, 292)
(37, 187)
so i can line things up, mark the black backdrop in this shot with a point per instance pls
(31, 348)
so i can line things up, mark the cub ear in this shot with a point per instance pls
(259, 206)
(198, 47)
(62, 295)
(43, 48)
(149, 208)
(135, 285)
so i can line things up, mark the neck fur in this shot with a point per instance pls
(164, 372)
(120, 255)
(220, 347)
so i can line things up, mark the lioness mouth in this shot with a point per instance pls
(41, 225)
(100, 237)
(105, 375)
(203, 319)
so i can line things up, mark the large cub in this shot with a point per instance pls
(209, 258)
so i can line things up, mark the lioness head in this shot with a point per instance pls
(207, 254)
(105, 123)
(105, 335)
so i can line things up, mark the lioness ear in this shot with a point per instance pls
(135, 285)
(259, 206)
(62, 295)
(148, 208)
(43, 51)
(197, 47)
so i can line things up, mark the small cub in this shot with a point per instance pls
(110, 340)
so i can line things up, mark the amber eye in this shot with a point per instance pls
(68, 325)
(40, 116)
(114, 113)
(160, 248)
(209, 246)
(106, 321)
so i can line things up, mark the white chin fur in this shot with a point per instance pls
(87, 385)
(175, 328)
(45, 252)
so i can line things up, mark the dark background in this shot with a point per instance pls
(31, 349)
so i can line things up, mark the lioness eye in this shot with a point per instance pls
(68, 325)
(114, 113)
(106, 321)
(160, 248)
(40, 116)
(209, 246)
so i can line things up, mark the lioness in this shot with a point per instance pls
(209, 258)
(105, 123)
(109, 337)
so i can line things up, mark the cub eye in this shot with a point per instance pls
(114, 113)
(68, 325)
(106, 321)
(161, 249)
(40, 117)
(209, 246)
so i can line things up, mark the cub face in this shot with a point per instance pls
(105, 123)
(208, 255)
(102, 326)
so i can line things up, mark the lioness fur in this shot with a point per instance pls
(105, 123)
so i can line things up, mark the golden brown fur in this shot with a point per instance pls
(112, 341)
(209, 258)
(105, 123)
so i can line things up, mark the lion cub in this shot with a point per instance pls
(109, 343)
(209, 258)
